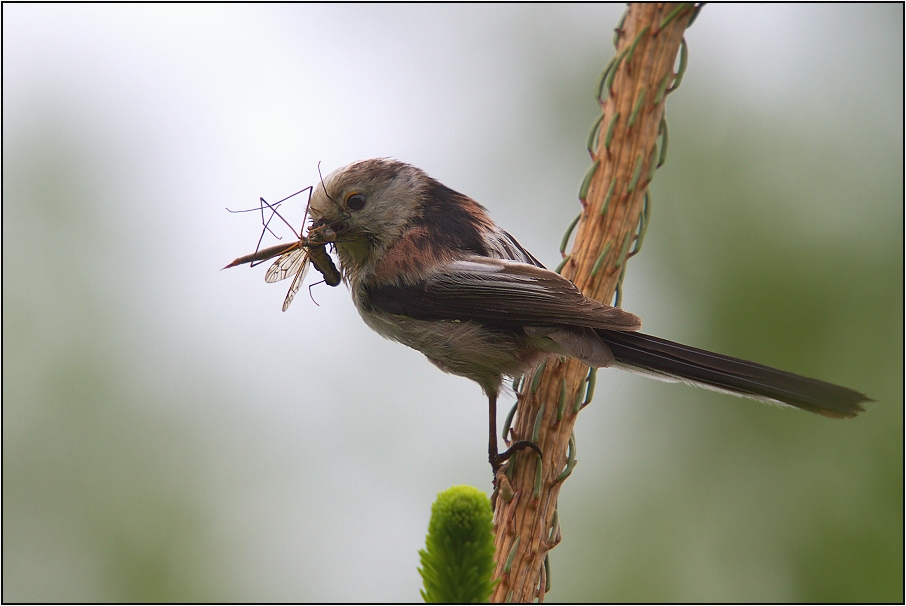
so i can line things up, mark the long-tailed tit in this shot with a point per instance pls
(429, 268)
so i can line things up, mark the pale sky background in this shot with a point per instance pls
(170, 434)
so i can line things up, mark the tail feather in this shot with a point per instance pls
(674, 361)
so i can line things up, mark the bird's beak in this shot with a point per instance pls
(324, 230)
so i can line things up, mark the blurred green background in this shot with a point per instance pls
(169, 434)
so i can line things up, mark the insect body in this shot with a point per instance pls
(324, 264)
(294, 257)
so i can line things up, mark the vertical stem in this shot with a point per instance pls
(646, 53)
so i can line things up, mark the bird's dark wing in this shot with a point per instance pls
(499, 293)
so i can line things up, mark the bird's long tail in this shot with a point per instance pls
(676, 362)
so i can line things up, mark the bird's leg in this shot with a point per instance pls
(492, 433)
(498, 459)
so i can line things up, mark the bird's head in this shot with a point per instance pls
(369, 204)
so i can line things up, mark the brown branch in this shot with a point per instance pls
(625, 156)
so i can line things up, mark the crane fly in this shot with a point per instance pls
(293, 258)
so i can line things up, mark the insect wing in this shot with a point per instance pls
(297, 282)
(287, 265)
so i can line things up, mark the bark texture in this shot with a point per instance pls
(625, 153)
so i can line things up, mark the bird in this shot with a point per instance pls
(427, 267)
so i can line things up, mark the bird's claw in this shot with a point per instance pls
(498, 461)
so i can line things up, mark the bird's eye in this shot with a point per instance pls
(355, 202)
